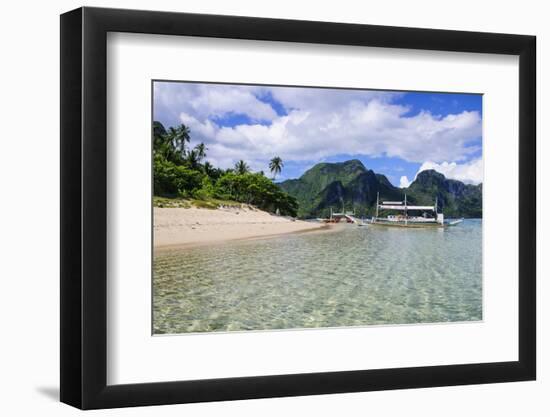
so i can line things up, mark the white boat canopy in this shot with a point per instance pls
(392, 202)
(403, 207)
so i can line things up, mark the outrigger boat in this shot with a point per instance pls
(346, 216)
(410, 216)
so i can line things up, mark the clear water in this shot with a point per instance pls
(354, 276)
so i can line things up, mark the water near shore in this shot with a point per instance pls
(354, 276)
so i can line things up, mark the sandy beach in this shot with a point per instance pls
(185, 227)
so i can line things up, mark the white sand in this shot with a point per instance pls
(196, 226)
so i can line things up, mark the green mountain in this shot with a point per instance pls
(352, 186)
(331, 185)
(455, 198)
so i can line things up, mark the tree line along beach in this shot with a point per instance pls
(196, 203)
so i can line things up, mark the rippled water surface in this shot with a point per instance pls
(353, 276)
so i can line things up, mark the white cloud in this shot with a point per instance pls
(320, 123)
(469, 172)
(219, 102)
(326, 99)
(210, 101)
(404, 182)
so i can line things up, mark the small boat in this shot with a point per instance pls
(454, 222)
(410, 215)
(345, 216)
(362, 222)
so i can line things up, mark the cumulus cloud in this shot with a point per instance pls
(318, 123)
(210, 101)
(327, 99)
(404, 182)
(470, 172)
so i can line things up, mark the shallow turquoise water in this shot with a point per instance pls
(355, 276)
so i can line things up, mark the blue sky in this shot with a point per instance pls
(397, 134)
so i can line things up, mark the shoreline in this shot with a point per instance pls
(181, 228)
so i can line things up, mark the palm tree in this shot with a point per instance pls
(201, 151)
(192, 159)
(275, 166)
(178, 136)
(242, 167)
(159, 133)
(209, 170)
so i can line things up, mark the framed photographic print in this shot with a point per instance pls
(257, 207)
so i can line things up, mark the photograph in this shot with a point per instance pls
(301, 207)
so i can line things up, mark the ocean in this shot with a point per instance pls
(352, 276)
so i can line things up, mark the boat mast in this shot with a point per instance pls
(377, 197)
(406, 218)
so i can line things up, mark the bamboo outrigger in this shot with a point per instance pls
(422, 216)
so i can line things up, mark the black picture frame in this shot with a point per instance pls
(84, 207)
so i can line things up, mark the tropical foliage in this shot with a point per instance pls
(179, 171)
(242, 167)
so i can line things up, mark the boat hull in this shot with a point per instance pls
(416, 225)
(409, 225)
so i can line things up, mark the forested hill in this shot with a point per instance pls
(350, 184)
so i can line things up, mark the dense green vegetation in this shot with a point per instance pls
(181, 177)
(349, 184)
